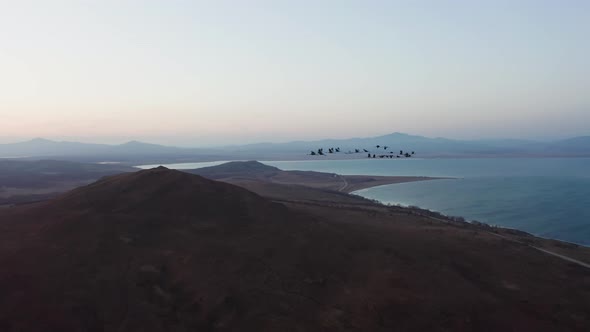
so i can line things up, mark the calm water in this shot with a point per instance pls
(547, 197)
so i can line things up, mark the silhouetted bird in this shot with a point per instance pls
(385, 147)
(369, 155)
(365, 150)
(313, 153)
(377, 146)
(356, 151)
(401, 152)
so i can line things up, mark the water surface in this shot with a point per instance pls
(548, 197)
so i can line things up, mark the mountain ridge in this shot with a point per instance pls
(424, 146)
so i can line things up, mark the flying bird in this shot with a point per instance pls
(408, 154)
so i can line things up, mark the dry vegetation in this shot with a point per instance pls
(163, 250)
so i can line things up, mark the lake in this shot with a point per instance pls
(548, 197)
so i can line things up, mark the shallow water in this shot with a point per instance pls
(549, 197)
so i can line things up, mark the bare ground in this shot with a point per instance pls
(164, 251)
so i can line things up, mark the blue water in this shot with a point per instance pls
(548, 197)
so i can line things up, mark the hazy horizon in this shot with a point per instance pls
(212, 142)
(224, 73)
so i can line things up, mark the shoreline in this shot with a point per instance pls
(360, 182)
(573, 252)
(408, 179)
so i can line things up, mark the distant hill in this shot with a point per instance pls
(252, 169)
(132, 151)
(274, 183)
(271, 182)
(162, 250)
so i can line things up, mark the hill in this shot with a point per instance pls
(252, 174)
(163, 250)
(161, 191)
(252, 169)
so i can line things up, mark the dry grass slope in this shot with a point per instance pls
(162, 250)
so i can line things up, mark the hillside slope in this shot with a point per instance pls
(163, 250)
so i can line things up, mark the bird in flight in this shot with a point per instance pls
(332, 150)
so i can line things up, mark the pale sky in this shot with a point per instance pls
(204, 72)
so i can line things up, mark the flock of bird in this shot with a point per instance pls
(370, 154)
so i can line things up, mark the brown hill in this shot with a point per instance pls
(161, 191)
(162, 250)
(249, 169)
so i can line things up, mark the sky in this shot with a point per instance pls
(199, 73)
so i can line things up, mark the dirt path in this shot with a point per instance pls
(552, 253)
(344, 183)
(563, 257)
(569, 259)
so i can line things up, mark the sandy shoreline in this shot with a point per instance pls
(359, 182)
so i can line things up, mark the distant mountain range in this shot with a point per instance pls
(440, 147)
(134, 151)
